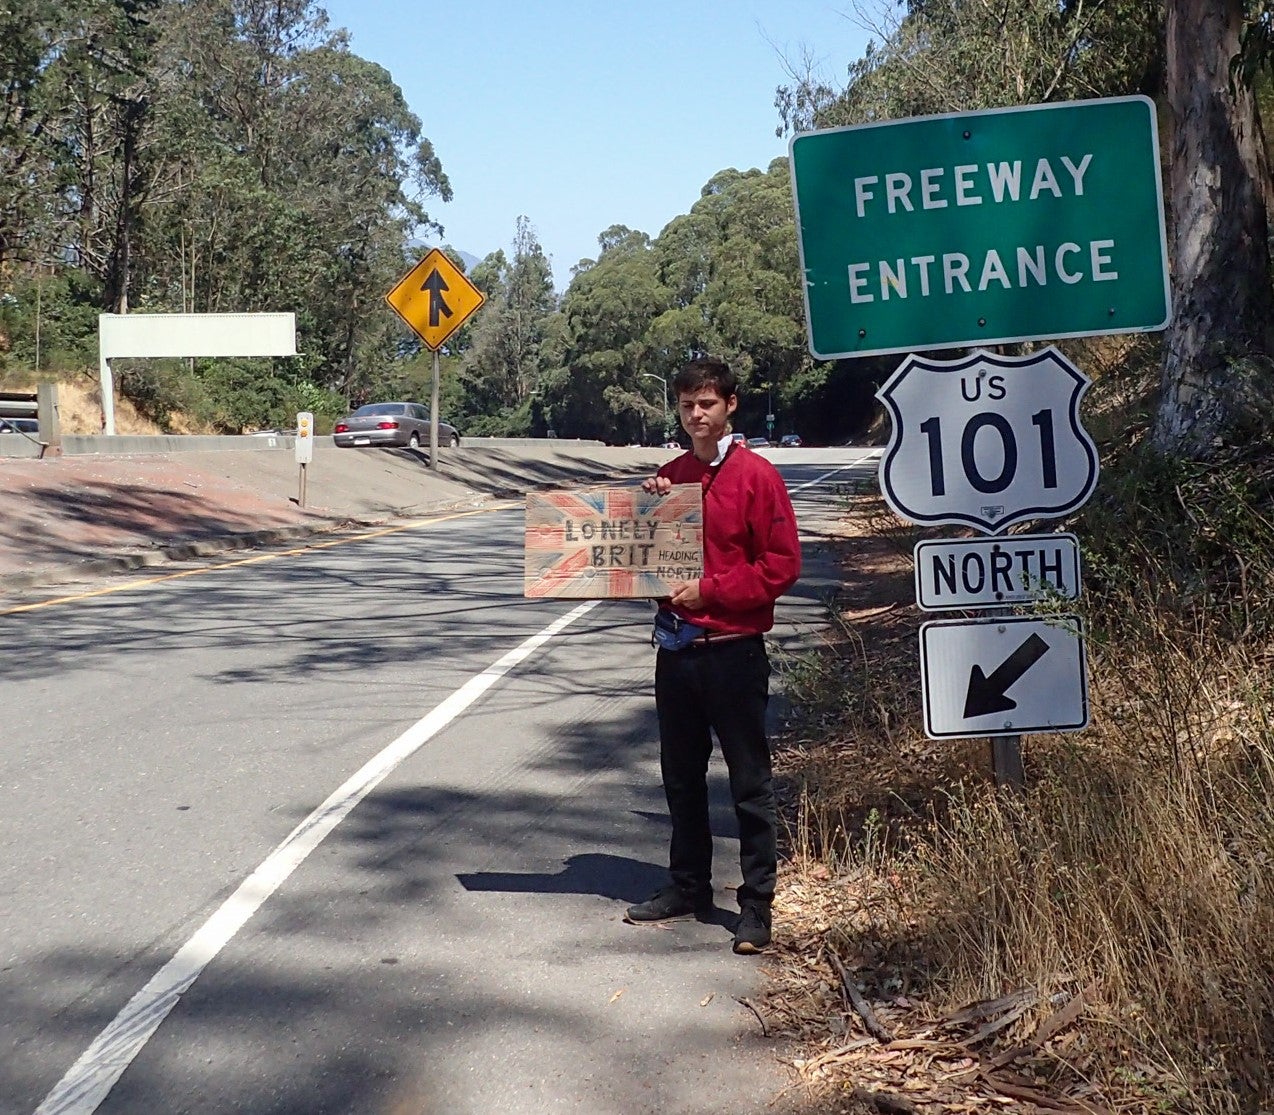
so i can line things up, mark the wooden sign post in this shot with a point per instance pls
(612, 543)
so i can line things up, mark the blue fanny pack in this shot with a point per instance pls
(671, 632)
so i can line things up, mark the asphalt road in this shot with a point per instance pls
(352, 829)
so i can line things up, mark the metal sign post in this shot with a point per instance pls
(304, 448)
(433, 409)
(435, 298)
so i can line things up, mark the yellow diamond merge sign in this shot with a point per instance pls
(435, 298)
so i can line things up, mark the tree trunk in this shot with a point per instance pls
(1219, 180)
(133, 113)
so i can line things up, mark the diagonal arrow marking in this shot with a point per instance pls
(436, 284)
(988, 694)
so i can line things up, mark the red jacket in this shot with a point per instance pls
(751, 552)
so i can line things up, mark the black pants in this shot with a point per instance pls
(722, 688)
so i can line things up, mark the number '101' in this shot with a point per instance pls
(1042, 420)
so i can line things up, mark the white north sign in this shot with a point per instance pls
(993, 572)
(1003, 677)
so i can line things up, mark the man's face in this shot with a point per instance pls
(705, 414)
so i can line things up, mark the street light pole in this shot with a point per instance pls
(663, 383)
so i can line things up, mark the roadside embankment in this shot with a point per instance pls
(84, 513)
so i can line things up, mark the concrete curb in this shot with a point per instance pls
(147, 559)
(212, 546)
(358, 490)
(124, 445)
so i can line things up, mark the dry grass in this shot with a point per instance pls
(80, 408)
(1114, 924)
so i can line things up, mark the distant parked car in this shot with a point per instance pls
(739, 439)
(391, 424)
(790, 441)
(758, 443)
(19, 426)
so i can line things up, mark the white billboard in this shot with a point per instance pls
(121, 336)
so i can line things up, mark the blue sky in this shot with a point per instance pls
(581, 115)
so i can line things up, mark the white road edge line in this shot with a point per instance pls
(874, 455)
(89, 1081)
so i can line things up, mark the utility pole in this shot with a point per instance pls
(663, 383)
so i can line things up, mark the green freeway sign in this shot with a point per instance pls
(982, 227)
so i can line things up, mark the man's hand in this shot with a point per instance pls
(657, 484)
(686, 594)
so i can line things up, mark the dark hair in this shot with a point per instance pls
(706, 371)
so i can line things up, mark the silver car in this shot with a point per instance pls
(391, 424)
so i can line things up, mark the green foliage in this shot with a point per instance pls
(723, 278)
(607, 312)
(229, 396)
(27, 32)
(1206, 529)
(953, 55)
(1256, 44)
(503, 362)
(61, 308)
(212, 156)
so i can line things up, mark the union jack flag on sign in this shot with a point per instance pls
(612, 543)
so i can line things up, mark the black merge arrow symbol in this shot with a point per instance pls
(987, 694)
(436, 284)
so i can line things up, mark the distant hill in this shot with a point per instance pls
(420, 247)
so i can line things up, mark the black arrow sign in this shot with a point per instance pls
(436, 284)
(987, 694)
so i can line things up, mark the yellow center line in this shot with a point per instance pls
(413, 525)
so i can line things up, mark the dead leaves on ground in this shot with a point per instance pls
(939, 1064)
(847, 996)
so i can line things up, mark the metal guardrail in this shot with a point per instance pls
(19, 404)
(22, 404)
(40, 406)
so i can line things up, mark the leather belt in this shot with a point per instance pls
(711, 640)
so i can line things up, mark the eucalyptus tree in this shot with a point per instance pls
(503, 366)
(754, 296)
(487, 275)
(358, 171)
(1218, 378)
(607, 311)
(295, 175)
(943, 56)
(732, 270)
(99, 109)
(224, 234)
(31, 34)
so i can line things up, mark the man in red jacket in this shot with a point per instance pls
(720, 680)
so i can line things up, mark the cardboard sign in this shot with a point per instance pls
(612, 543)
